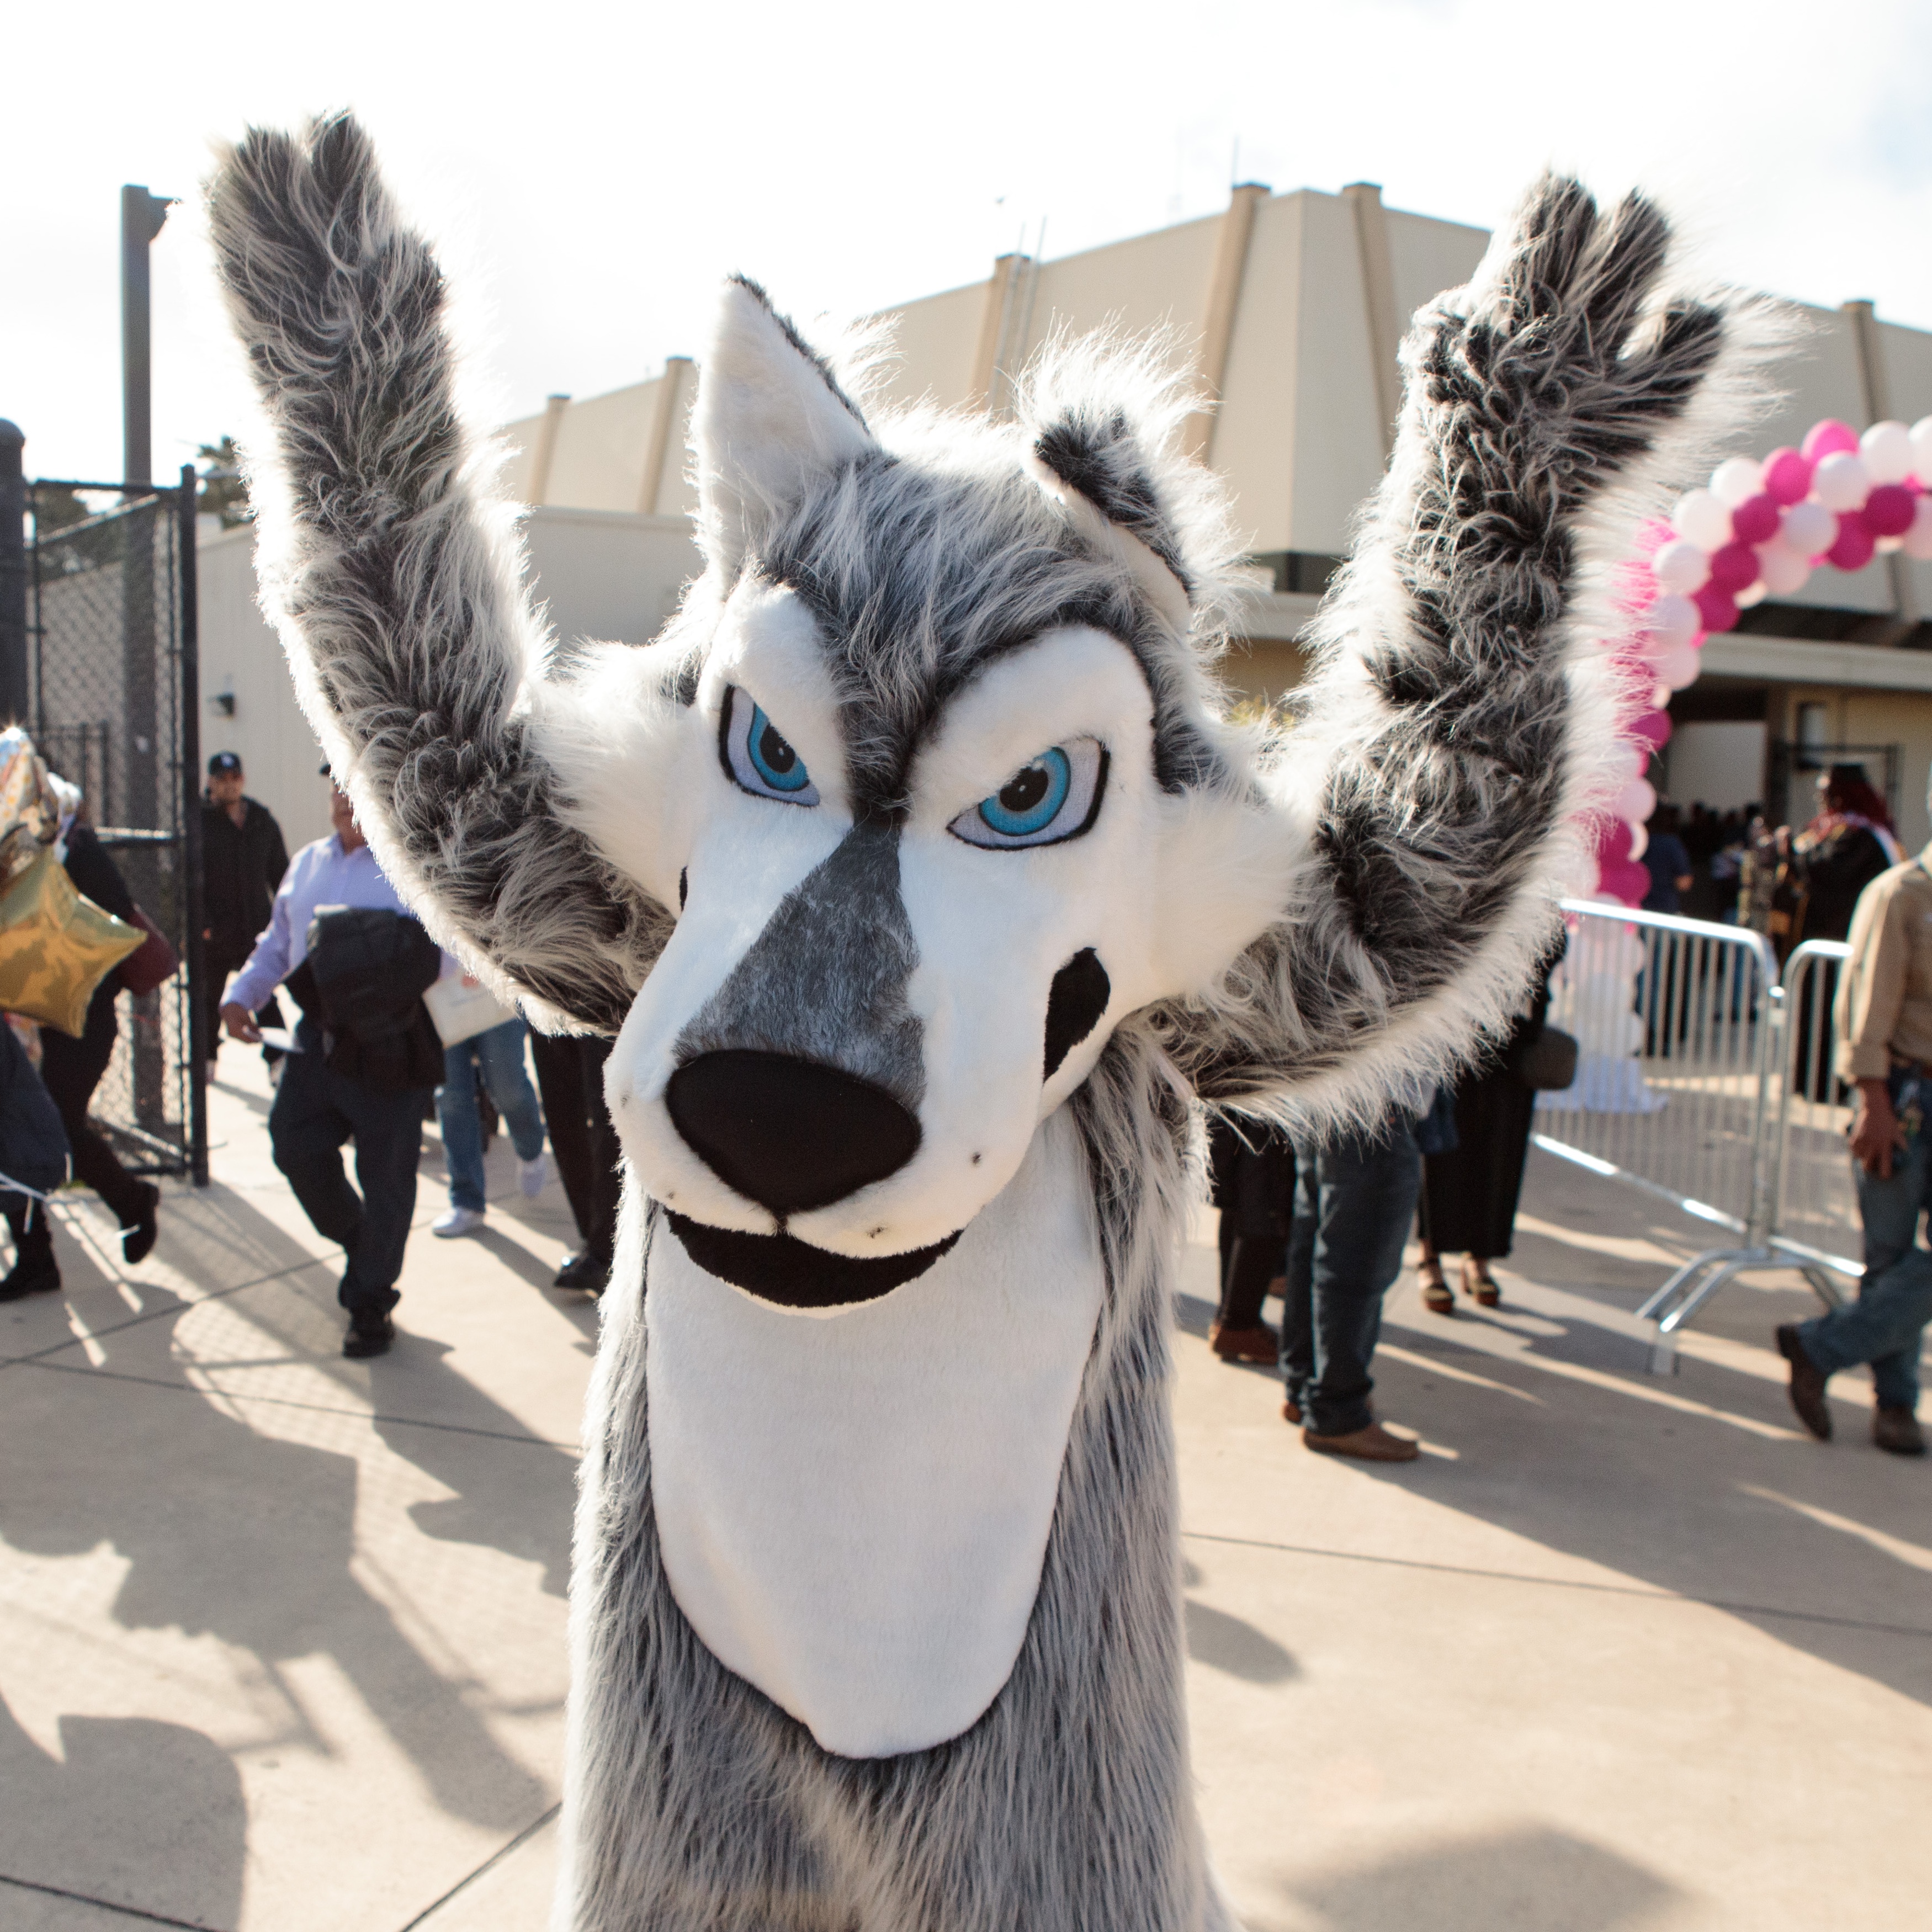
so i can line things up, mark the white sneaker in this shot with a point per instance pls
(456, 1221)
(531, 1175)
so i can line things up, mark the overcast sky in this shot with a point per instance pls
(591, 172)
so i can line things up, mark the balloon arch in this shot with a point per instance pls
(1758, 530)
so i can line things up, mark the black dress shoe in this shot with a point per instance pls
(589, 1273)
(30, 1274)
(1897, 1429)
(137, 1237)
(369, 1334)
(1807, 1384)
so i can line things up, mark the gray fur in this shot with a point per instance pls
(825, 980)
(1460, 722)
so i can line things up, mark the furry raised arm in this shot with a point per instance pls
(397, 580)
(1462, 714)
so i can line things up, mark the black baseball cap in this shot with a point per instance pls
(223, 763)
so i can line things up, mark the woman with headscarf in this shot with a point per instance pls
(1847, 845)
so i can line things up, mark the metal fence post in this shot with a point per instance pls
(191, 806)
(13, 576)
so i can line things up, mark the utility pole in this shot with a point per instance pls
(142, 214)
(12, 577)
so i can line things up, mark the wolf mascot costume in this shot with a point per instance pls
(928, 887)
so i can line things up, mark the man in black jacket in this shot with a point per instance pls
(243, 859)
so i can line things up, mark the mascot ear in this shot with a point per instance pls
(770, 415)
(1091, 459)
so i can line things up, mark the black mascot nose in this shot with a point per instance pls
(788, 1133)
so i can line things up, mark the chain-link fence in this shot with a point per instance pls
(111, 705)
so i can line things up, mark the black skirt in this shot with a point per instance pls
(1469, 1197)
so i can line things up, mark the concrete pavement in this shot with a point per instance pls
(281, 1635)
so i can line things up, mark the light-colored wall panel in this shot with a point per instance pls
(1254, 432)
(933, 342)
(1338, 438)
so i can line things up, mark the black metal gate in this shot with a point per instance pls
(112, 704)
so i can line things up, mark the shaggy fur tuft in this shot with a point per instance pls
(1384, 870)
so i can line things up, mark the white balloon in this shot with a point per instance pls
(1841, 481)
(1884, 546)
(1640, 841)
(1700, 516)
(1922, 449)
(1752, 593)
(1780, 569)
(1918, 543)
(1886, 448)
(1636, 802)
(1809, 529)
(1677, 668)
(1681, 566)
(1673, 619)
(1734, 482)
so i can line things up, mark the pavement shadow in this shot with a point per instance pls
(1232, 1644)
(1701, 1486)
(251, 1537)
(1534, 1877)
(160, 1805)
(533, 1525)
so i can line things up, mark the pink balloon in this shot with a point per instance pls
(1613, 841)
(1716, 608)
(1829, 438)
(1735, 568)
(1652, 728)
(1856, 542)
(1889, 509)
(1787, 477)
(1755, 520)
(1623, 879)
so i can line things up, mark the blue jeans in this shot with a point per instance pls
(1353, 1201)
(1885, 1325)
(501, 1052)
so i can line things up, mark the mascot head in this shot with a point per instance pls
(931, 764)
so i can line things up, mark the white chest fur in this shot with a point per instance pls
(853, 1509)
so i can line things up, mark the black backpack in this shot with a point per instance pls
(367, 969)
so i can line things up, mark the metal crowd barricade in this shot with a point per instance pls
(1680, 1026)
(1814, 1213)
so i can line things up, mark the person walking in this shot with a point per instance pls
(71, 1069)
(318, 1107)
(1355, 1199)
(1470, 1191)
(1883, 1018)
(499, 1051)
(33, 1163)
(243, 861)
(570, 1076)
(1252, 1170)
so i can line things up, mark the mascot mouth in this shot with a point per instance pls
(792, 1273)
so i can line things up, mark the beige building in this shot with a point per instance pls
(1288, 308)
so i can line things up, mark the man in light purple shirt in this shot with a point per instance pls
(317, 1110)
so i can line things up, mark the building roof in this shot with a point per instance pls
(1290, 306)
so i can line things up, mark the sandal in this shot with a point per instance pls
(1478, 1284)
(1435, 1295)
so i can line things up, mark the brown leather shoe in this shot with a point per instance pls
(1371, 1444)
(1242, 1345)
(1290, 1412)
(1807, 1384)
(1897, 1429)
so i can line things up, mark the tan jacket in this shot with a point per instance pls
(1884, 1006)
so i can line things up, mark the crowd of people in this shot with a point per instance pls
(1323, 1223)
(365, 1065)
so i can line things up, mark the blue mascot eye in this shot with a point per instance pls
(1055, 797)
(1030, 800)
(758, 756)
